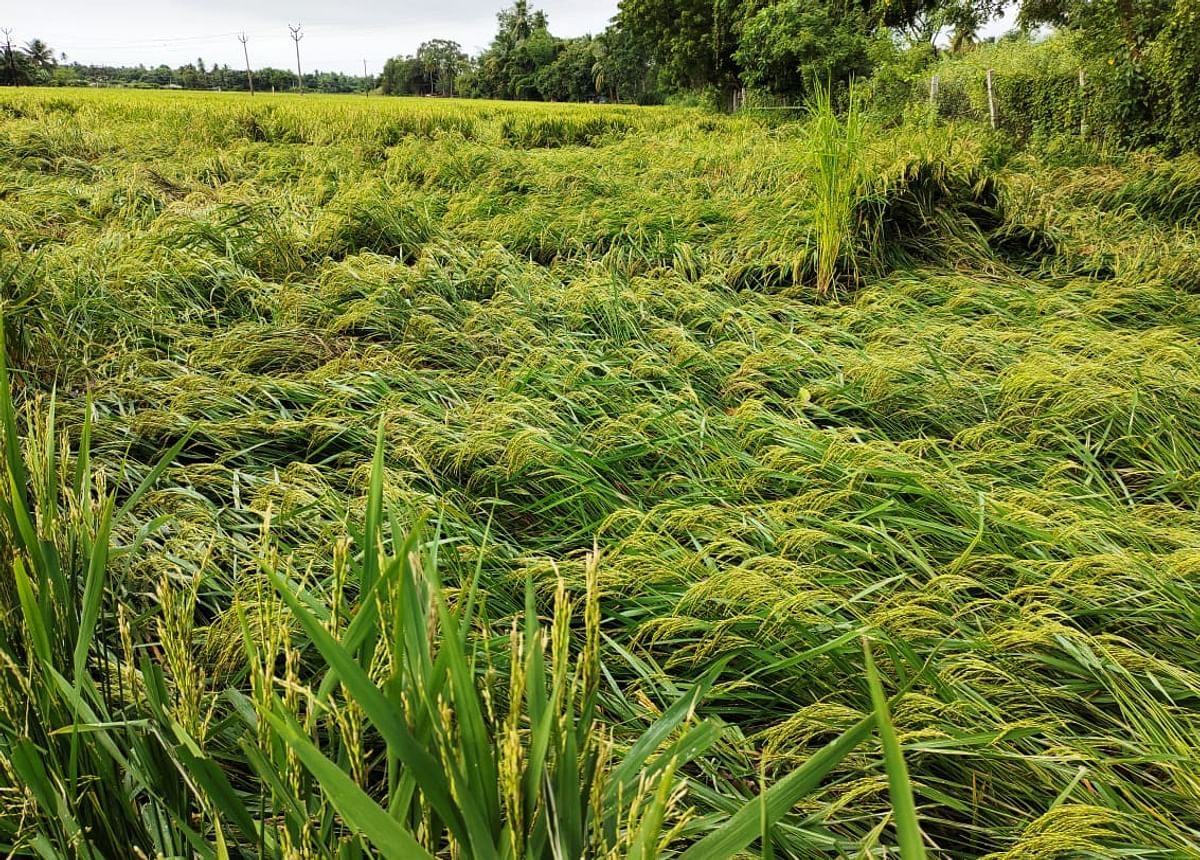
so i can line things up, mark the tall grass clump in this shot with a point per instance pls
(836, 142)
(417, 737)
(85, 774)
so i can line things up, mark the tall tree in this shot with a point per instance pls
(623, 69)
(789, 46)
(441, 62)
(522, 45)
(692, 41)
(402, 76)
(40, 58)
(964, 37)
(569, 76)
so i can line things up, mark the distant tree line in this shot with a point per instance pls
(36, 65)
(1143, 56)
(196, 76)
(710, 50)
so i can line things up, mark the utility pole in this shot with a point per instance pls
(296, 37)
(12, 60)
(367, 81)
(246, 54)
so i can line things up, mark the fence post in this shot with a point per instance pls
(991, 99)
(1082, 105)
(933, 91)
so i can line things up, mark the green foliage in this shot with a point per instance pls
(1174, 63)
(17, 67)
(792, 47)
(898, 80)
(1037, 85)
(441, 61)
(192, 76)
(780, 47)
(1144, 57)
(522, 45)
(571, 76)
(402, 76)
(524, 61)
(692, 42)
(623, 70)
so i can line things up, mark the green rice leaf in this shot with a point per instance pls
(908, 827)
(748, 823)
(359, 809)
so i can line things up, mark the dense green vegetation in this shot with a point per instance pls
(1127, 71)
(1133, 69)
(392, 476)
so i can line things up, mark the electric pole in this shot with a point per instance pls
(246, 54)
(12, 60)
(366, 80)
(296, 37)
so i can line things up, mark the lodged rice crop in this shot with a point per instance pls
(412, 477)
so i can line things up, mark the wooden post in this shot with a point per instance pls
(1082, 105)
(991, 99)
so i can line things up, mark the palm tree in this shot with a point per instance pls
(965, 37)
(40, 55)
(966, 31)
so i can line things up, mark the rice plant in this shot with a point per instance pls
(446, 752)
(837, 143)
(467, 479)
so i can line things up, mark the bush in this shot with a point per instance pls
(897, 80)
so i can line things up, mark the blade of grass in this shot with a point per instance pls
(904, 809)
(745, 825)
(358, 808)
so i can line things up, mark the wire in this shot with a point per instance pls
(154, 43)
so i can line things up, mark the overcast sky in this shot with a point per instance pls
(338, 34)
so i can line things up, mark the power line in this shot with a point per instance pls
(163, 40)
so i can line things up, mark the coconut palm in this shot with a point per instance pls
(40, 55)
(965, 37)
